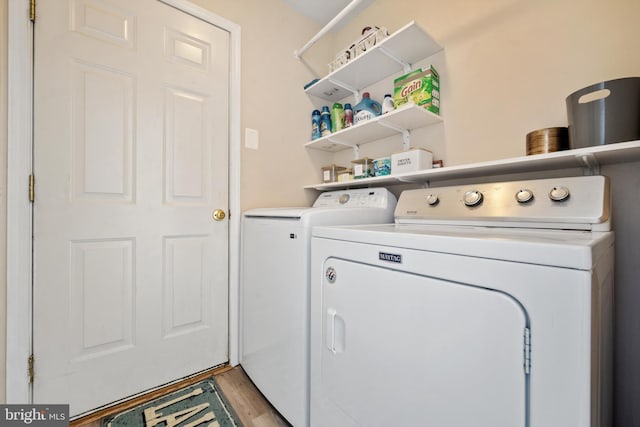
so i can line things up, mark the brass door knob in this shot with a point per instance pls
(219, 215)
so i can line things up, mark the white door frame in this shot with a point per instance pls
(19, 209)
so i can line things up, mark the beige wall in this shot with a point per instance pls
(3, 193)
(273, 100)
(508, 65)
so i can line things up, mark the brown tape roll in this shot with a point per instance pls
(547, 140)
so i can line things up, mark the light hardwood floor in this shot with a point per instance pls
(247, 402)
(250, 406)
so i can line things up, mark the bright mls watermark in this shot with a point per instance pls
(34, 415)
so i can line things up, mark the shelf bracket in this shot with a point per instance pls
(354, 91)
(356, 151)
(406, 140)
(405, 65)
(406, 135)
(590, 165)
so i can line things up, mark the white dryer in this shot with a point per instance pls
(485, 305)
(274, 323)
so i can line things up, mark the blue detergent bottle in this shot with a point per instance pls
(366, 109)
(325, 121)
(315, 125)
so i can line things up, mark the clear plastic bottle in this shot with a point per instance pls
(348, 115)
(325, 121)
(315, 125)
(366, 109)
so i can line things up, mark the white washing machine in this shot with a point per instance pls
(485, 305)
(275, 290)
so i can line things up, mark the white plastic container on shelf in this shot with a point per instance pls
(412, 160)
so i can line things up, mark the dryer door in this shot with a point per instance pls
(403, 349)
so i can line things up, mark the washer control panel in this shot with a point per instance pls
(559, 194)
(524, 195)
(472, 198)
(359, 197)
(572, 200)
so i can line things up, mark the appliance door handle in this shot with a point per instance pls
(331, 330)
(336, 332)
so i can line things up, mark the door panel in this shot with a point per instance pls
(131, 157)
(103, 133)
(188, 171)
(185, 290)
(448, 353)
(101, 275)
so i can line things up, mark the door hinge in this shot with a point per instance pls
(32, 188)
(32, 10)
(527, 350)
(31, 360)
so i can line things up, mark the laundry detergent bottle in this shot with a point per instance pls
(348, 115)
(388, 104)
(366, 109)
(337, 117)
(325, 121)
(315, 125)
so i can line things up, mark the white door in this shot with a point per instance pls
(130, 159)
(410, 350)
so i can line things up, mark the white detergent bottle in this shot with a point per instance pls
(366, 109)
(388, 104)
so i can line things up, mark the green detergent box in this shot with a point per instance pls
(419, 87)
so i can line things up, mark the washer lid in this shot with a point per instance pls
(560, 248)
(331, 202)
(290, 213)
(361, 205)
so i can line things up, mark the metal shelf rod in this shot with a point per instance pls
(298, 53)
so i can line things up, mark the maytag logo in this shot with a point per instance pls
(384, 256)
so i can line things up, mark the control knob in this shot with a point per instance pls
(472, 198)
(524, 196)
(344, 198)
(559, 194)
(432, 199)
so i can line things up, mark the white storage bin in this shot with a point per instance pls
(415, 159)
